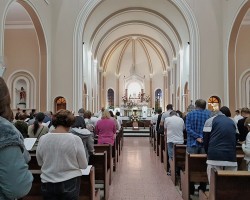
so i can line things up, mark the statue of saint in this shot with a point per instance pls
(22, 95)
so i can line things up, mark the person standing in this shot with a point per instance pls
(243, 131)
(174, 127)
(37, 129)
(246, 144)
(237, 116)
(220, 142)
(16, 179)
(195, 121)
(166, 114)
(61, 155)
(106, 129)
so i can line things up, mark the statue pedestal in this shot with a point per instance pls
(135, 125)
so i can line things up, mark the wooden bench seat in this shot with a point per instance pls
(87, 188)
(100, 148)
(229, 185)
(99, 161)
(195, 171)
(162, 147)
(178, 162)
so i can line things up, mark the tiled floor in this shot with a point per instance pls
(140, 175)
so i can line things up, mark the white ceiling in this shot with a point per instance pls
(246, 19)
(17, 15)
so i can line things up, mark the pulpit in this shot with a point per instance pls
(135, 125)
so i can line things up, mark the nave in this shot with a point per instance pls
(140, 175)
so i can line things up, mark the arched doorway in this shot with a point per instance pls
(214, 103)
(26, 39)
(110, 98)
(233, 74)
(158, 99)
(60, 103)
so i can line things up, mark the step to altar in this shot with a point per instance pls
(140, 132)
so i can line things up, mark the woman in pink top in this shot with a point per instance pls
(105, 129)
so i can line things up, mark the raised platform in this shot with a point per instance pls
(129, 132)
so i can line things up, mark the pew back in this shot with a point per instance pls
(178, 162)
(229, 185)
(195, 171)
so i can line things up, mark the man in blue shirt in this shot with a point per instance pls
(195, 121)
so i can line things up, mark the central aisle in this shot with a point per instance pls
(140, 175)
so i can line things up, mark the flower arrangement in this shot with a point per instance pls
(131, 104)
(134, 118)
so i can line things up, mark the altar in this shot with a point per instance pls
(139, 111)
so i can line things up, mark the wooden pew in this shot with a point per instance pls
(179, 154)
(157, 143)
(88, 191)
(100, 148)
(114, 156)
(165, 155)
(195, 171)
(151, 136)
(35, 191)
(87, 188)
(33, 165)
(229, 185)
(99, 161)
(162, 147)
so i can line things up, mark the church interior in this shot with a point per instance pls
(131, 56)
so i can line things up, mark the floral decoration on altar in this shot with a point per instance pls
(124, 99)
(131, 104)
(134, 118)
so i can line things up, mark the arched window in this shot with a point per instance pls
(110, 97)
(158, 98)
(60, 103)
(214, 103)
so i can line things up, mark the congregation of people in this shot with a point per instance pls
(63, 145)
(215, 133)
(65, 142)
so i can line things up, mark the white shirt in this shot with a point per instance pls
(237, 118)
(61, 156)
(154, 119)
(175, 126)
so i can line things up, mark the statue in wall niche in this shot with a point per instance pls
(22, 95)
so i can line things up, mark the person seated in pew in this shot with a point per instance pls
(61, 155)
(87, 137)
(220, 141)
(246, 144)
(16, 179)
(106, 129)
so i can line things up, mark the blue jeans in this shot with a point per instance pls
(66, 190)
(170, 150)
(196, 150)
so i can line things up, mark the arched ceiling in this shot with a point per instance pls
(156, 31)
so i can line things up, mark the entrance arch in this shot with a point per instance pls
(42, 93)
(60, 103)
(232, 92)
(184, 8)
